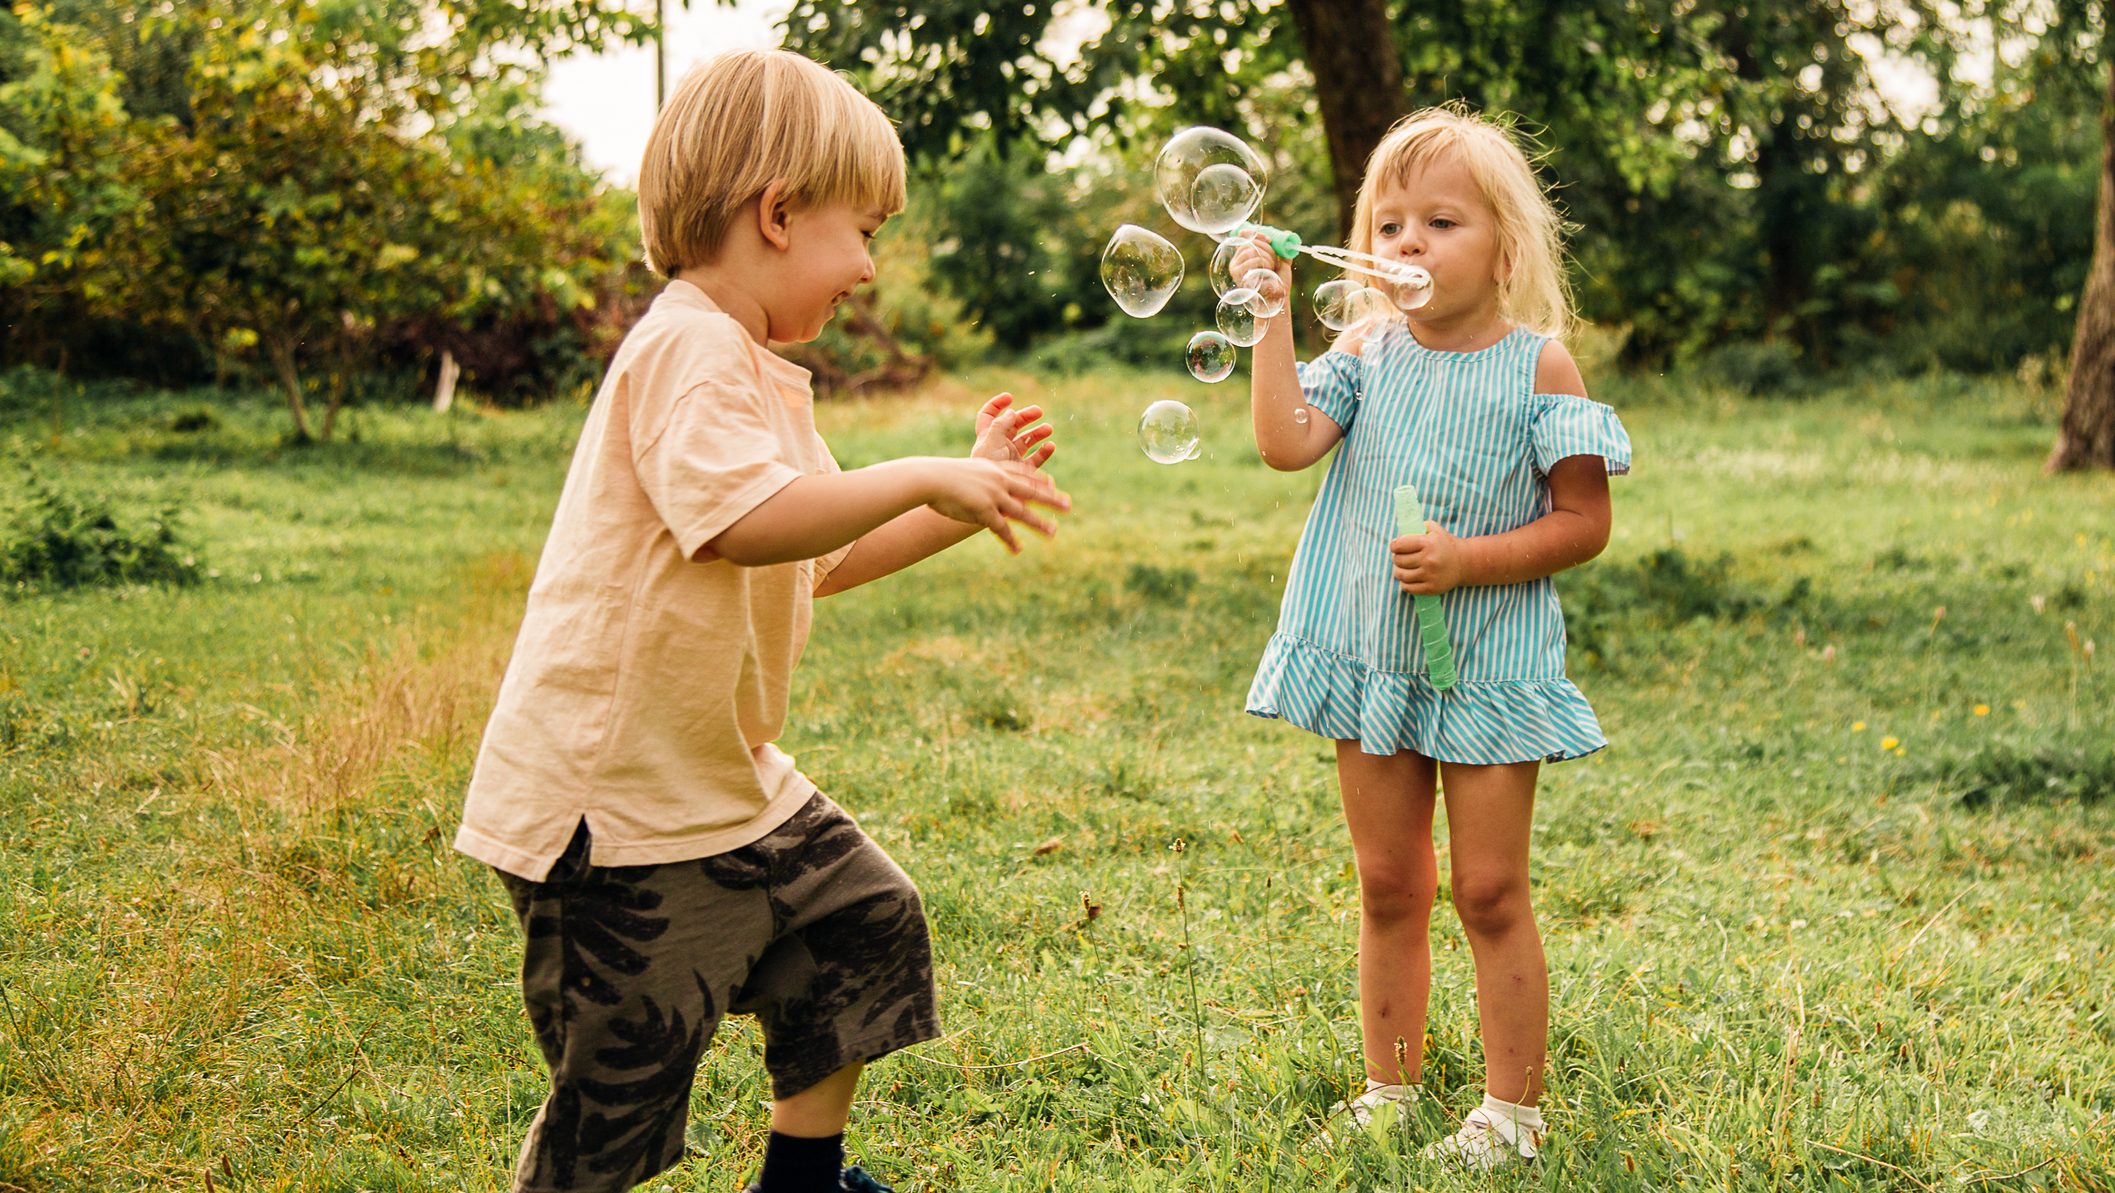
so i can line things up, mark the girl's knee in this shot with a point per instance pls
(1491, 904)
(1398, 893)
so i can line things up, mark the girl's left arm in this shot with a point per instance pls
(1574, 531)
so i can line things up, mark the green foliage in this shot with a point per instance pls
(2013, 772)
(61, 537)
(332, 185)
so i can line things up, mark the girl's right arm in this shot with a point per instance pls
(1286, 442)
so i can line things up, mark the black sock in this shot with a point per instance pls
(796, 1165)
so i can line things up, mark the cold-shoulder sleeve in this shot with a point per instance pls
(1331, 383)
(1569, 425)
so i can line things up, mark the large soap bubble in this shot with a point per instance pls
(1168, 432)
(1210, 180)
(1210, 355)
(1141, 270)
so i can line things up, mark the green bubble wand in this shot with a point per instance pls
(1288, 245)
(1431, 619)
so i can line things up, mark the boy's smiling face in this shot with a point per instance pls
(825, 258)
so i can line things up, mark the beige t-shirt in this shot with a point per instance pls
(650, 678)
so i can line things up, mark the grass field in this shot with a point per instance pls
(1832, 913)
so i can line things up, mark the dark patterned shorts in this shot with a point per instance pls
(628, 970)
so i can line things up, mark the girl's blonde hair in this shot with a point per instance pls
(743, 120)
(1533, 291)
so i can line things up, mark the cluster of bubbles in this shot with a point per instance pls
(1212, 182)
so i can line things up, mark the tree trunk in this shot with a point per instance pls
(2087, 436)
(281, 350)
(1358, 85)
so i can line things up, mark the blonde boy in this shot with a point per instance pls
(668, 863)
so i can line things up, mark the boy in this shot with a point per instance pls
(667, 862)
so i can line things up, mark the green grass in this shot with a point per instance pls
(233, 941)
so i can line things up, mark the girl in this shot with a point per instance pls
(1473, 402)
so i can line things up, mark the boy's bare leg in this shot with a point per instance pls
(821, 1110)
(1388, 806)
(1489, 812)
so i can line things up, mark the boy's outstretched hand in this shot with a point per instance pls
(1000, 433)
(999, 484)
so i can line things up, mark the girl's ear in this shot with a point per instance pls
(773, 214)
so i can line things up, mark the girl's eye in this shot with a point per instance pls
(1442, 222)
(1390, 228)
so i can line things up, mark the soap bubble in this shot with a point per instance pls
(1141, 270)
(1221, 271)
(1333, 303)
(1300, 415)
(1237, 320)
(1270, 292)
(1407, 286)
(1223, 196)
(1168, 432)
(1209, 180)
(1211, 356)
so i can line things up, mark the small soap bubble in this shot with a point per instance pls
(1167, 432)
(1408, 287)
(1300, 415)
(1210, 355)
(1270, 292)
(1221, 271)
(1334, 303)
(1209, 180)
(1237, 320)
(1141, 270)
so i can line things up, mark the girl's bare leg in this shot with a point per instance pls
(1388, 805)
(1489, 812)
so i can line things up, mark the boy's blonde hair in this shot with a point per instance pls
(743, 120)
(1533, 292)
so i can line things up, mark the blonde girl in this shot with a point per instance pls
(1472, 399)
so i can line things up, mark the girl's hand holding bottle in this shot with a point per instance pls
(1431, 563)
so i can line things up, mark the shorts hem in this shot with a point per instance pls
(865, 1050)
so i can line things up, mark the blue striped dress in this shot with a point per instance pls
(1470, 431)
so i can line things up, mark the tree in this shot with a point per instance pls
(954, 71)
(2086, 438)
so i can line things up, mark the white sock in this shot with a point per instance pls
(1391, 1090)
(1528, 1117)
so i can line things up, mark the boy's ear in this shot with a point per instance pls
(773, 213)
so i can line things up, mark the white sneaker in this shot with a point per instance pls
(1486, 1141)
(1378, 1109)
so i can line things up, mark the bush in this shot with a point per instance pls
(2012, 773)
(66, 539)
(1756, 368)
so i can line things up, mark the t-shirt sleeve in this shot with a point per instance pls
(1331, 383)
(715, 457)
(1569, 425)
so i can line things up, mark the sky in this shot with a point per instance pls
(606, 100)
